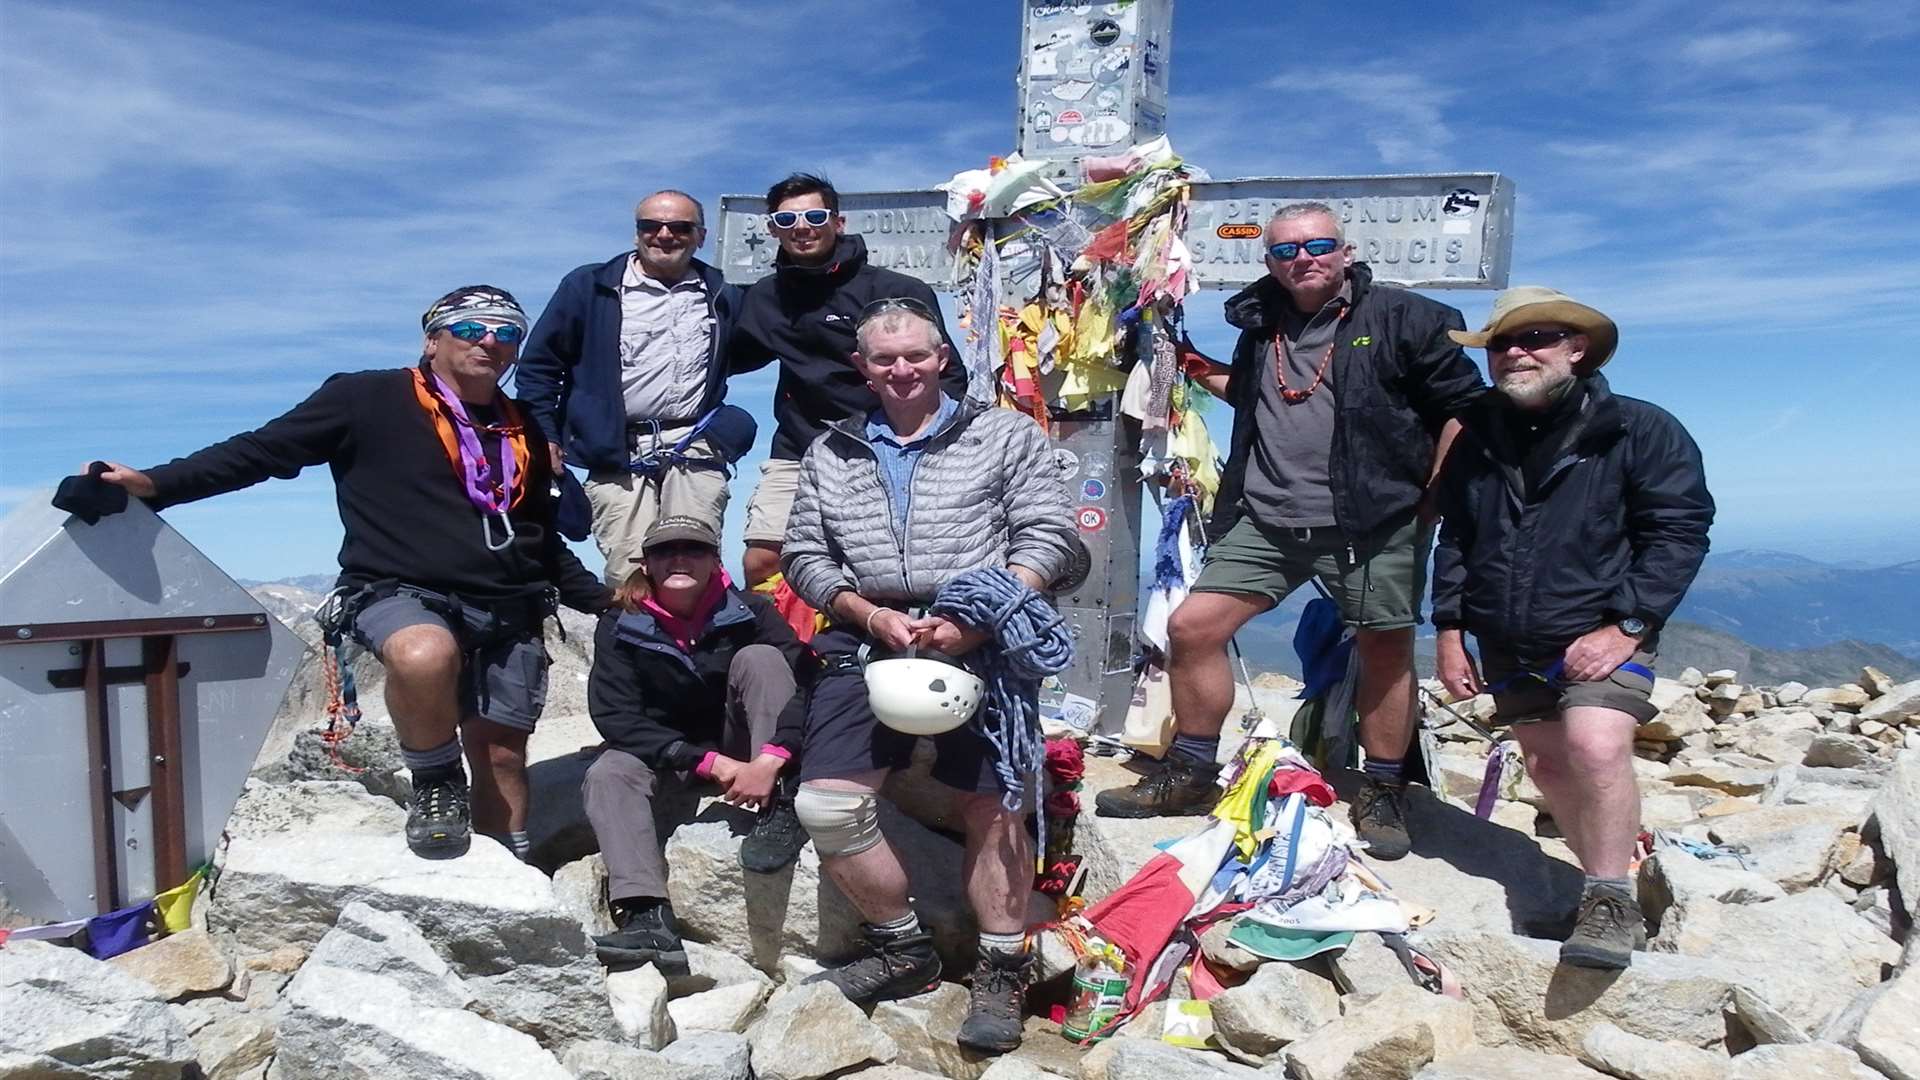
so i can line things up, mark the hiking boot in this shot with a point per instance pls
(439, 824)
(645, 935)
(1607, 930)
(994, 1002)
(776, 838)
(1379, 816)
(1176, 786)
(895, 966)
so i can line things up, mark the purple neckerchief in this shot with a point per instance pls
(473, 460)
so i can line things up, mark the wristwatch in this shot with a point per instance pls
(1632, 627)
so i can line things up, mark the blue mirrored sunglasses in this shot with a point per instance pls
(509, 334)
(816, 217)
(1285, 252)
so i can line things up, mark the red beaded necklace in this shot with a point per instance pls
(1281, 355)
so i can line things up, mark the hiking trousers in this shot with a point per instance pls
(620, 788)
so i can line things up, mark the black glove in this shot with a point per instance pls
(88, 497)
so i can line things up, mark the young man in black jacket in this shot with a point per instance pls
(1575, 519)
(450, 562)
(803, 315)
(1343, 393)
(691, 680)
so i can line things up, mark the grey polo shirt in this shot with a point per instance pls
(1287, 484)
(666, 334)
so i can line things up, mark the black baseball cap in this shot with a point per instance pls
(681, 528)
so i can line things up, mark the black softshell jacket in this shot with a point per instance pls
(1617, 526)
(1396, 379)
(666, 707)
(804, 317)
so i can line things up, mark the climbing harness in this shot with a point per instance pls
(1554, 677)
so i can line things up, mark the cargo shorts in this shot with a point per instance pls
(1377, 585)
(1523, 695)
(503, 676)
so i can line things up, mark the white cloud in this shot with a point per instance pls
(1738, 46)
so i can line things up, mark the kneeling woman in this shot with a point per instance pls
(692, 681)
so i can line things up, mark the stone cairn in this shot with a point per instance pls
(1780, 899)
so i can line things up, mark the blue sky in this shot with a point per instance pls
(206, 208)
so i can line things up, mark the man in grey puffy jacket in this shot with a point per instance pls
(891, 507)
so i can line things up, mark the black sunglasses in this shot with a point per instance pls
(648, 226)
(1530, 340)
(1286, 250)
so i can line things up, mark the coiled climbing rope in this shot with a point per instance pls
(1029, 642)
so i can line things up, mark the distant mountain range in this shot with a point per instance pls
(1769, 615)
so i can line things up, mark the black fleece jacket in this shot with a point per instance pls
(1396, 378)
(406, 513)
(665, 706)
(1615, 525)
(804, 317)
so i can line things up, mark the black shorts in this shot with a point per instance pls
(845, 739)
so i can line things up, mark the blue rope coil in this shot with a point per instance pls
(1029, 642)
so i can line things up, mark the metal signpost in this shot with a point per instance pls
(1093, 80)
(137, 682)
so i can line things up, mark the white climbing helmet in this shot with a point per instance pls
(919, 695)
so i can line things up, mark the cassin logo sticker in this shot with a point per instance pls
(1460, 202)
(1237, 231)
(1104, 33)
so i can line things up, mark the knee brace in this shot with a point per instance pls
(840, 822)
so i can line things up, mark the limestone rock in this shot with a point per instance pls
(179, 965)
(1808, 954)
(797, 969)
(1899, 705)
(335, 805)
(1508, 1063)
(384, 943)
(1789, 692)
(1150, 1059)
(68, 1014)
(1631, 1057)
(724, 1008)
(891, 1072)
(1391, 1037)
(1762, 1021)
(639, 1000)
(716, 1055)
(1875, 682)
(1880, 1026)
(1731, 779)
(809, 1031)
(1367, 968)
(1789, 844)
(1896, 816)
(580, 887)
(1849, 697)
(1521, 993)
(597, 1059)
(233, 1046)
(925, 1029)
(710, 967)
(1803, 1061)
(1839, 750)
(796, 910)
(1280, 1004)
(1016, 1068)
(1719, 677)
(350, 1024)
(1672, 877)
(1681, 713)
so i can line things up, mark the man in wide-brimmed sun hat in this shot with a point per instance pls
(1574, 521)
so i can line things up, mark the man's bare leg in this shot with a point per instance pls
(998, 866)
(1198, 670)
(497, 760)
(760, 561)
(1202, 685)
(1583, 764)
(1385, 699)
(874, 879)
(422, 691)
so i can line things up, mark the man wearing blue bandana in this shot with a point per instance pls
(450, 563)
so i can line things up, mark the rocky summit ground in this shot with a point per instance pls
(327, 950)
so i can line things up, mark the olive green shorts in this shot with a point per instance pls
(1378, 586)
(1522, 697)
